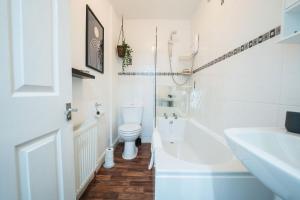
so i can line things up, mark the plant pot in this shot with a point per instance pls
(121, 51)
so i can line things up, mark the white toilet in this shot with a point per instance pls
(131, 129)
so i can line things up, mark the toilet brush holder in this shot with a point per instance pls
(109, 158)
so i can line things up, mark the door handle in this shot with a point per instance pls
(69, 111)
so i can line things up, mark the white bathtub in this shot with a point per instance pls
(194, 163)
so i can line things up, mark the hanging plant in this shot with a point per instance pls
(127, 59)
(124, 50)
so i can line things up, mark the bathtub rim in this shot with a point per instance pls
(176, 166)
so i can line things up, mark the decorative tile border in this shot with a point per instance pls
(150, 74)
(250, 44)
(262, 38)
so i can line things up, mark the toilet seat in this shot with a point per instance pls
(129, 133)
(130, 128)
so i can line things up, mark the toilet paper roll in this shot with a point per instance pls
(109, 158)
(109, 154)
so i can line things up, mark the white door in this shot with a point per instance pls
(36, 146)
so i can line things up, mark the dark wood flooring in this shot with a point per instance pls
(127, 180)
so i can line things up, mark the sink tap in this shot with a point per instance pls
(166, 116)
(175, 116)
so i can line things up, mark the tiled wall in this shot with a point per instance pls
(136, 85)
(244, 47)
(243, 76)
(149, 74)
(255, 87)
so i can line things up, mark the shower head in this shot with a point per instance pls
(171, 43)
(172, 34)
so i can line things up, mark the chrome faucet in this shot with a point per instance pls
(175, 116)
(165, 115)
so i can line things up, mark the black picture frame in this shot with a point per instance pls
(94, 42)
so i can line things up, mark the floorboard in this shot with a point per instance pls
(127, 180)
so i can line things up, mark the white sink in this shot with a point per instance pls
(270, 154)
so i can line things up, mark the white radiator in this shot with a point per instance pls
(87, 154)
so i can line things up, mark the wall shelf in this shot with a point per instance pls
(291, 22)
(294, 7)
(81, 74)
(291, 39)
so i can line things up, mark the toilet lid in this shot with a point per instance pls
(130, 127)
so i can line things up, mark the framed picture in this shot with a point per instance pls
(94, 55)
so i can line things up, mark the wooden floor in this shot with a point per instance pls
(127, 180)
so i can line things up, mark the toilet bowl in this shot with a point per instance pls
(131, 129)
(129, 133)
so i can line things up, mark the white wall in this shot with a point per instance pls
(116, 62)
(87, 92)
(140, 35)
(253, 88)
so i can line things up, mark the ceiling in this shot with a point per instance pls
(155, 9)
